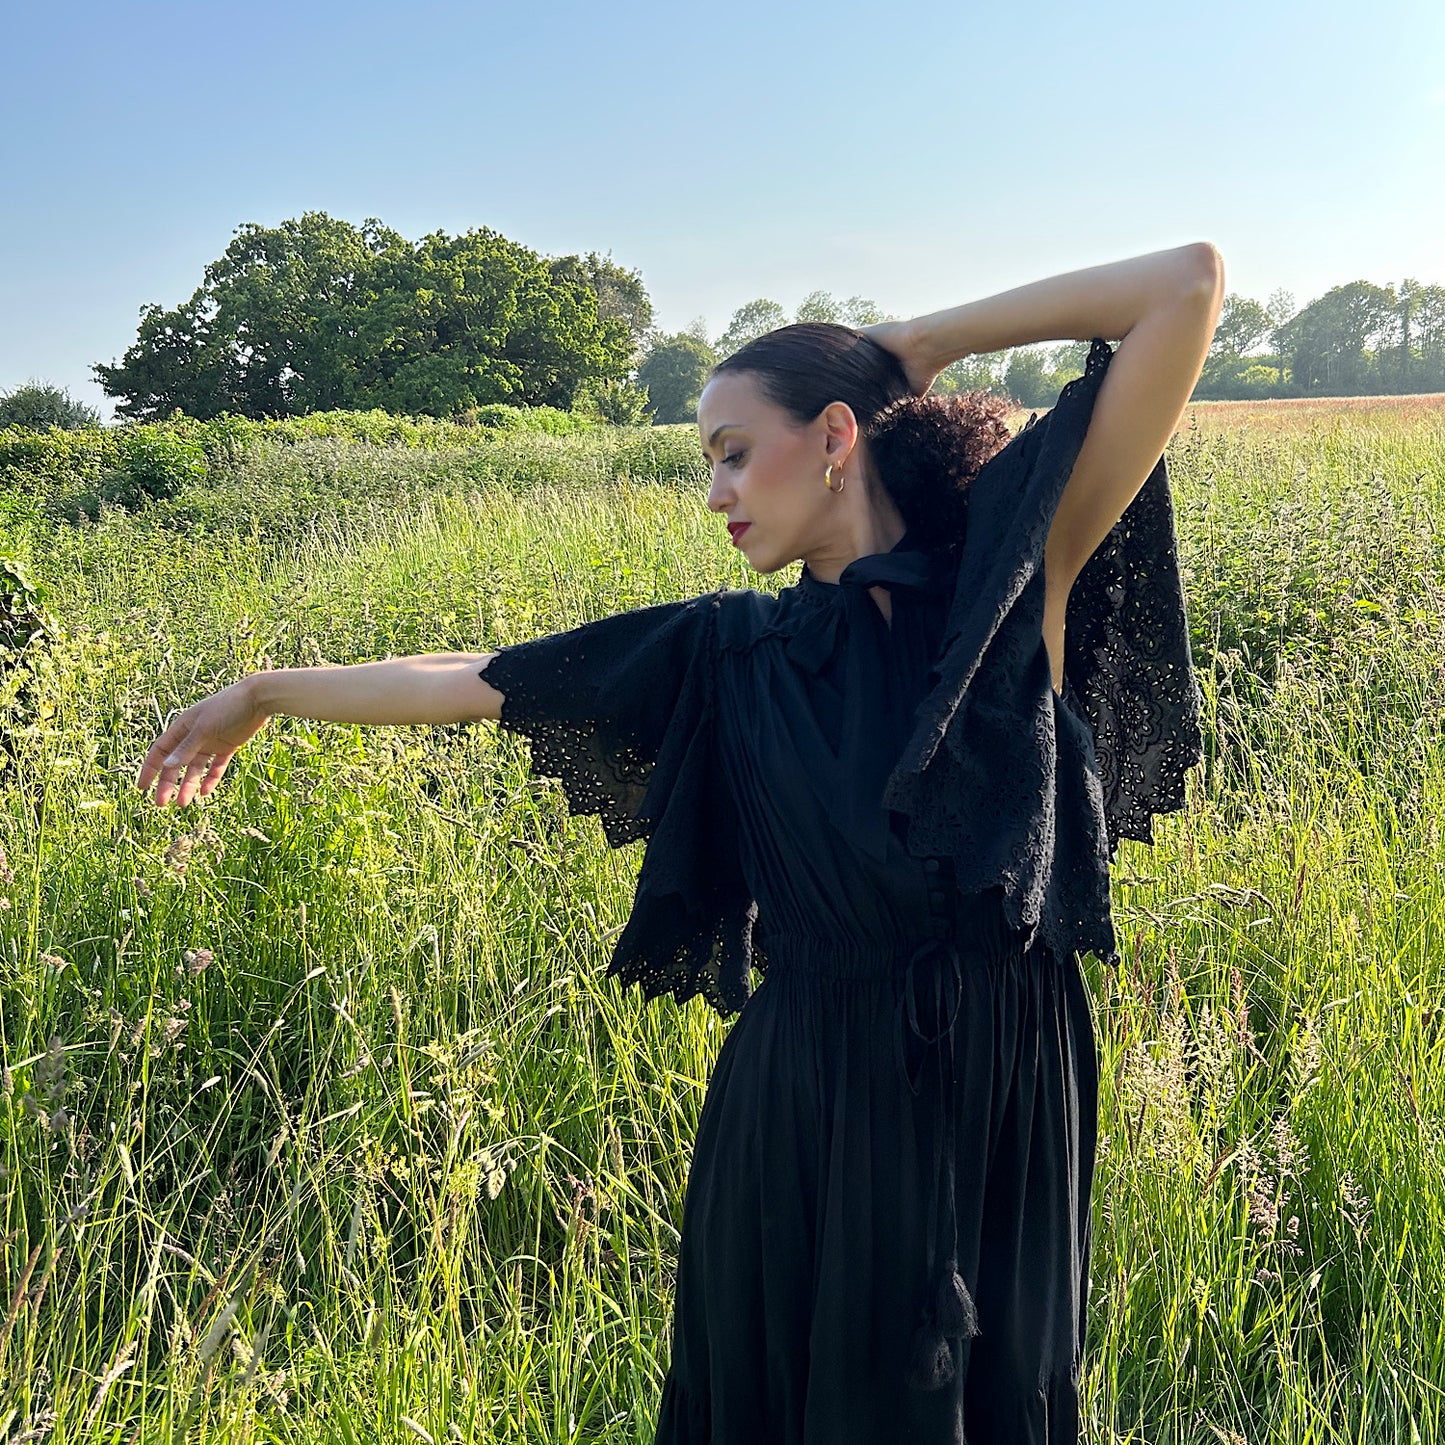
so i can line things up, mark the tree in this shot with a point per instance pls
(1279, 308)
(981, 371)
(1243, 324)
(39, 405)
(1327, 340)
(467, 320)
(1067, 361)
(316, 313)
(1429, 332)
(1024, 378)
(1420, 310)
(817, 306)
(750, 321)
(859, 311)
(674, 373)
(621, 296)
(271, 331)
(856, 311)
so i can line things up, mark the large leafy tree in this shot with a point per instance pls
(271, 331)
(1326, 342)
(316, 313)
(621, 296)
(674, 373)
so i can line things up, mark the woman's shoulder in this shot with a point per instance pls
(745, 616)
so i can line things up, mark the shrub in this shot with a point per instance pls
(155, 462)
(24, 618)
(39, 405)
(549, 419)
(615, 403)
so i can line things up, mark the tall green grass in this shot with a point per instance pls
(319, 1120)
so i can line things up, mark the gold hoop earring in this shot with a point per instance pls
(828, 480)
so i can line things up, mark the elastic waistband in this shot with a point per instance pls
(977, 930)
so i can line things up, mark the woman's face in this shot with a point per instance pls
(767, 470)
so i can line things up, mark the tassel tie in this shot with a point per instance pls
(948, 1309)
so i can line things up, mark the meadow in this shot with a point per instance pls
(320, 1122)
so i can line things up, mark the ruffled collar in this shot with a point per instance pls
(905, 568)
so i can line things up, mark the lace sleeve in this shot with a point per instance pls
(1024, 788)
(597, 704)
(1128, 668)
(622, 711)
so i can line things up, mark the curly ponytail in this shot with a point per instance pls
(926, 449)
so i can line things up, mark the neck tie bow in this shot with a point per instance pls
(906, 572)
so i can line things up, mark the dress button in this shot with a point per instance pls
(935, 897)
(930, 865)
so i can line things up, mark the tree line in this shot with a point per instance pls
(318, 315)
(1356, 340)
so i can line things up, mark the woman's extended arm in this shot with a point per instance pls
(433, 687)
(191, 755)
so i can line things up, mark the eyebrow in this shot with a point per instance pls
(726, 426)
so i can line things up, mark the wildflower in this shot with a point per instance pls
(7, 873)
(197, 960)
(178, 855)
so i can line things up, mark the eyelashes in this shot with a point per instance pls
(733, 459)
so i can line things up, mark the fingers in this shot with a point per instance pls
(167, 751)
(191, 778)
(179, 776)
(214, 774)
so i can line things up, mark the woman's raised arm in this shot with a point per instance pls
(189, 758)
(1162, 308)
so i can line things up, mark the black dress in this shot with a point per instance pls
(906, 831)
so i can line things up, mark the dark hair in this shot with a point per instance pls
(926, 449)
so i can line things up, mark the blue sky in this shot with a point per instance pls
(921, 156)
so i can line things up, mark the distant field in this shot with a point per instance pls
(1371, 411)
(320, 1123)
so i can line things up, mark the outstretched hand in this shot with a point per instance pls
(191, 755)
(899, 338)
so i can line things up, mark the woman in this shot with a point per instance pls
(894, 788)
